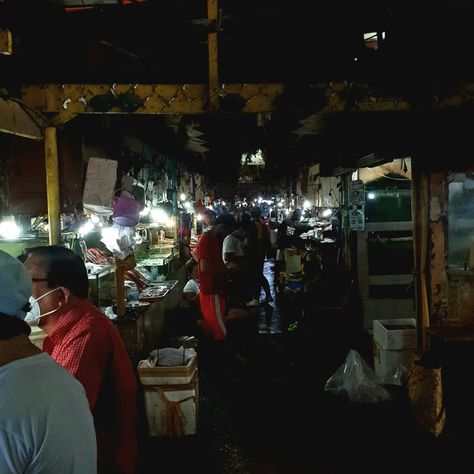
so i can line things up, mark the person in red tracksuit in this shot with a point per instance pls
(212, 277)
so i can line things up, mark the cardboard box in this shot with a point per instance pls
(172, 410)
(395, 334)
(390, 364)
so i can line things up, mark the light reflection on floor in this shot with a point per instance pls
(269, 319)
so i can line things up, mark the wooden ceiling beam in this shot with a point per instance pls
(68, 100)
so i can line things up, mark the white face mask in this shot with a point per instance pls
(33, 316)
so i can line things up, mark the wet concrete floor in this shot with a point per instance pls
(272, 415)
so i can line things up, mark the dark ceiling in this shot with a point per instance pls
(260, 41)
(425, 49)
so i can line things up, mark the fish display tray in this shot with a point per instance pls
(157, 292)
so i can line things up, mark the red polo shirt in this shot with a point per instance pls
(87, 344)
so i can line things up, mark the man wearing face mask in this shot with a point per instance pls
(85, 342)
(39, 432)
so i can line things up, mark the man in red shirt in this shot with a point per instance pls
(85, 342)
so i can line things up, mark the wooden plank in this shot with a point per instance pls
(387, 308)
(388, 226)
(390, 279)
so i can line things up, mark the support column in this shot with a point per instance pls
(52, 184)
(420, 209)
(6, 43)
(438, 247)
(212, 17)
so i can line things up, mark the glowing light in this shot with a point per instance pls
(94, 219)
(109, 233)
(371, 195)
(182, 197)
(188, 205)
(9, 230)
(280, 204)
(327, 212)
(85, 228)
(223, 203)
(145, 211)
(159, 216)
(306, 204)
(199, 217)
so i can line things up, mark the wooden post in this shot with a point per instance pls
(121, 266)
(6, 42)
(52, 184)
(344, 205)
(438, 226)
(212, 16)
(420, 217)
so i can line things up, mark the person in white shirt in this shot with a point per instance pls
(191, 295)
(239, 292)
(46, 425)
(232, 253)
(191, 289)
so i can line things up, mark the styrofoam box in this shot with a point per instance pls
(387, 362)
(395, 334)
(168, 375)
(172, 410)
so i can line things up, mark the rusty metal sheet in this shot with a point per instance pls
(15, 120)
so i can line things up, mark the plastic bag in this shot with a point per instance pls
(357, 380)
(126, 210)
(399, 376)
(119, 240)
(168, 356)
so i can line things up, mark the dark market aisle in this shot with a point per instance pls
(271, 414)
